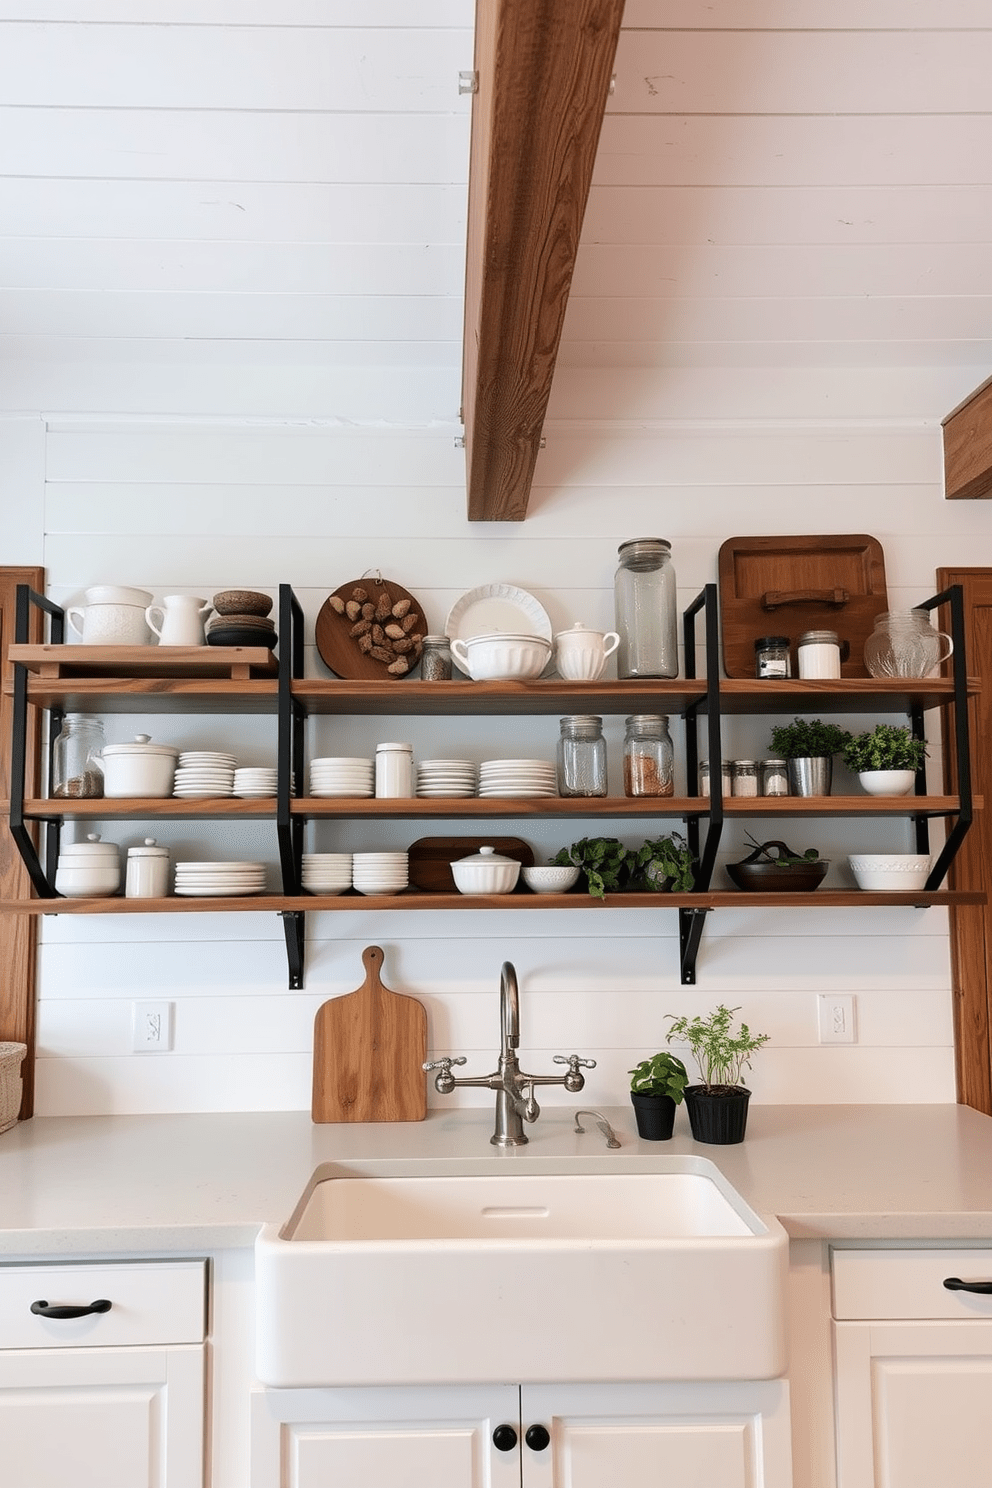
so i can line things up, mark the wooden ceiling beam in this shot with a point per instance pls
(968, 447)
(544, 69)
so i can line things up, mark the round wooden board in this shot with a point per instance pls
(339, 650)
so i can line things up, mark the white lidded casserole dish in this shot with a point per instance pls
(139, 768)
(485, 872)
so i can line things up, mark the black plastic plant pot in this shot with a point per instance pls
(655, 1116)
(718, 1117)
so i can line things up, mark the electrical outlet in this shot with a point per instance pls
(151, 1027)
(836, 1011)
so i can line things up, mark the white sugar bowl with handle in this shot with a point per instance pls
(581, 654)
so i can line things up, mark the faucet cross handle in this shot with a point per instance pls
(574, 1081)
(444, 1083)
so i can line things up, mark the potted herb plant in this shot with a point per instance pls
(663, 864)
(809, 745)
(722, 1050)
(886, 759)
(656, 1088)
(603, 862)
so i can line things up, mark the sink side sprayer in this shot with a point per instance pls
(515, 1101)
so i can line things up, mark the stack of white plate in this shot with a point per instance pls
(342, 775)
(380, 872)
(254, 780)
(326, 873)
(446, 778)
(204, 772)
(517, 777)
(204, 880)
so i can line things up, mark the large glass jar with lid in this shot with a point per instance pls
(646, 614)
(581, 762)
(648, 756)
(77, 757)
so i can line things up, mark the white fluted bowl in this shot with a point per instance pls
(890, 872)
(550, 879)
(502, 657)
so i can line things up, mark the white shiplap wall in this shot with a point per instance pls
(231, 262)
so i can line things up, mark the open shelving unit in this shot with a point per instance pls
(58, 678)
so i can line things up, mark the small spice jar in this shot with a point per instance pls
(581, 756)
(648, 756)
(394, 770)
(774, 777)
(745, 778)
(726, 777)
(819, 653)
(435, 659)
(771, 657)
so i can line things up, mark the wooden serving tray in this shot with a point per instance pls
(431, 858)
(239, 663)
(787, 585)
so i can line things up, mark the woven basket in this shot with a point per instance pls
(10, 1083)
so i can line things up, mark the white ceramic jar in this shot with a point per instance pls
(139, 768)
(147, 872)
(819, 654)
(112, 616)
(394, 769)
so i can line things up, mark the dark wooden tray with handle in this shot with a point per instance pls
(368, 1053)
(431, 858)
(786, 585)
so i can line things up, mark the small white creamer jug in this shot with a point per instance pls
(580, 654)
(178, 620)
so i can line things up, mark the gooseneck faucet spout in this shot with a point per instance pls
(509, 1011)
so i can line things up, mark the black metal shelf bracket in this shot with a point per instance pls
(691, 922)
(289, 776)
(954, 598)
(294, 929)
(25, 599)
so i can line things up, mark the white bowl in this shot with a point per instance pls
(887, 782)
(502, 658)
(550, 879)
(890, 872)
(485, 873)
(97, 882)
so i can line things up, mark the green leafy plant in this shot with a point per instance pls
(722, 1049)
(885, 747)
(662, 1074)
(663, 863)
(604, 862)
(808, 738)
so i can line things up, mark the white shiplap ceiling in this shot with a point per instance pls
(787, 184)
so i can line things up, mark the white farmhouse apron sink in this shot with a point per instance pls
(481, 1274)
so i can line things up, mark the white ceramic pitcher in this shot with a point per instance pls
(112, 616)
(178, 620)
(580, 654)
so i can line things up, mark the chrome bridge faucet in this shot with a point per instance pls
(515, 1101)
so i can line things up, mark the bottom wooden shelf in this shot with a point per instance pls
(416, 899)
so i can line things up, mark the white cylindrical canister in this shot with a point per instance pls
(394, 769)
(147, 873)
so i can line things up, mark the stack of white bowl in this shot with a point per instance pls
(342, 775)
(326, 873)
(254, 780)
(446, 778)
(90, 869)
(204, 772)
(204, 880)
(380, 872)
(517, 777)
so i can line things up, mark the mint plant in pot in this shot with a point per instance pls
(722, 1050)
(886, 759)
(656, 1088)
(809, 746)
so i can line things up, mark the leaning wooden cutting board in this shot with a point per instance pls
(368, 1053)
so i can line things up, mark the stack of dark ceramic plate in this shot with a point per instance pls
(242, 619)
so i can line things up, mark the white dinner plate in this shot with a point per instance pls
(493, 607)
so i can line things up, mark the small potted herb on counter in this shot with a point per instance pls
(886, 759)
(656, 1088)
(722, 1050)
(809, 746)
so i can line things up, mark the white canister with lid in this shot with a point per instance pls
(819, 654)
(139, 768)
(113, 615)
(147, 873)
(394, 769)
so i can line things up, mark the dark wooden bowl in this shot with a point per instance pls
(777, 878)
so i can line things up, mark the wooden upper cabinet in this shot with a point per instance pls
(543, 70)
(968, 447)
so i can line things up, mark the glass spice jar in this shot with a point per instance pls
(581, 756)
(745, 778)
(771, 657)
(77, 757)
(646, 618)
(648, 756)
(774, 777)
(726, 777)
(435, 659)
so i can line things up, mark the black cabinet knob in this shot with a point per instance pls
(537, 1437)
(504, 1438)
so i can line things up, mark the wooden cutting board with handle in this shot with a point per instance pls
(368, 1051)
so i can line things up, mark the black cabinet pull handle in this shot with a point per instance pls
(955, 1284)
(42, 1309)
(537, 1437)
(504, 1438)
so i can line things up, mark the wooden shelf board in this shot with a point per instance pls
(484, 809)
(152, 695)
(789, 806)
(140, 807)
(236, 663)
(463, 697)
(849, 695)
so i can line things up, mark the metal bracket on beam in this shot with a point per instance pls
(294, 927)
(691, 922)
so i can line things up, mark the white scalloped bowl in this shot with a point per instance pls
(890, 872)
(502, 658)
(550, 878)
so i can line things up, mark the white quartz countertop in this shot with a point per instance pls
(158, 1184)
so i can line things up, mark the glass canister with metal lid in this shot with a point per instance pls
(581, 758)
(77, 757)
(646, 616)
(648, 756)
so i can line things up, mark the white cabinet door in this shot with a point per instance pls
(914, 1404)
(390, 1438)
(696, 1436)
(102, 1418)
